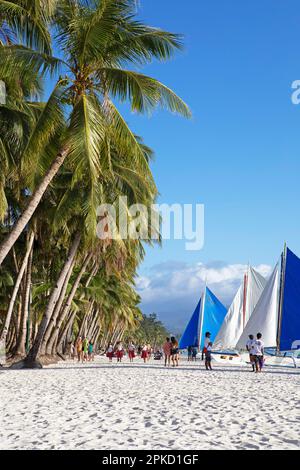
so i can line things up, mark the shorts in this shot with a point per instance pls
(259, 360)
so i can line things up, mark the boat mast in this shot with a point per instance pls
(245, 296)
(281, 296)
(201, 315)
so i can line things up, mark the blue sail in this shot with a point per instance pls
(190, 336)
(290, 317)
(214, 313)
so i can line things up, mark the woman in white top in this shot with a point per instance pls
(110, 352)
(131, 351)
(120, 351)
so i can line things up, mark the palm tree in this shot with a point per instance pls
(98, 40)
(27, 21)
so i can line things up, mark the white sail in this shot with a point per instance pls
(265, 316)
(255, 286)
(232, 326)
(234, 322)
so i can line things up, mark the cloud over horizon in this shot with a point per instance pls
(172, 289)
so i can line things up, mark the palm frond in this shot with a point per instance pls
(50, 119)
(143, 92)
(29, 20)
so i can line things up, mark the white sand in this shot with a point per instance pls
(102, 406)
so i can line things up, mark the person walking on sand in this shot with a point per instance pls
(79, 348)
(206, 343)
(144, 354)
(194, 354)
(90, 351)
(85, 347)
(174, 352)
(208, 356)
(258, 353)
(131, 351)
(110, 352)
(119, 351)
(249, 347)
(190, 353)
(167, 347)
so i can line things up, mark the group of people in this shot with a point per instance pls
(119, 351)
(84, 349)
(171, 352)
(170, 349)
(206, 351)
(255, 347)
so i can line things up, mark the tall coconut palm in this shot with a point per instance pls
(98, 40)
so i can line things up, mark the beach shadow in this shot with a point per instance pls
(269, 370)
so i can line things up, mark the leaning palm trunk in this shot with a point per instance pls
(16, 287)
(52, 321)
(64, 331)
(96, 336)
(68, 303)
(93, 325)
(11, 340)
(35, 350)
(17, 320)
(87, 314)
(10, 240)
(20, 349)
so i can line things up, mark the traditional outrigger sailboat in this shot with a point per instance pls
(270, 307)
(225, 327)
(277, 314)
(240, 310)
(208, 316)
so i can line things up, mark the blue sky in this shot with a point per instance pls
(239, 155)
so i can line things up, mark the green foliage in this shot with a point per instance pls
(100, 43)
(150, 331)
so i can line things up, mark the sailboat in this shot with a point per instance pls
(207, 317)
(277, 313)
(240, 310)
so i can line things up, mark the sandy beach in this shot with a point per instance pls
(103, 406)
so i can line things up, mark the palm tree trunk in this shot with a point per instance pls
(95, 336)
(11, 238)
(35, 349)
(52, 321)
(64, 331)
(68, 303)
(18, 317)
(16, 287)
(92, 326)
(11, 341)
(82, 329)
(20, 349)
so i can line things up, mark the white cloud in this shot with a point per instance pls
(172, 289)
